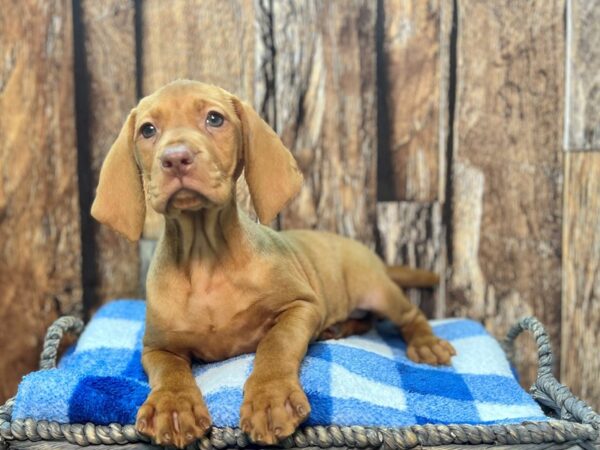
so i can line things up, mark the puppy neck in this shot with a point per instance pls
(209, 236)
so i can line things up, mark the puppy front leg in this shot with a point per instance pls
(174, 413)
(274, 402)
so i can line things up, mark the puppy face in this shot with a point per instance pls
(183, 148)
(188, 144)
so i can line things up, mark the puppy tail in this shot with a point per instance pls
(408, 277)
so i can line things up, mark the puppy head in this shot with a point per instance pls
(184, 147)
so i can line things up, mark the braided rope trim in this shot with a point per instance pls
(558, 431)
(55, 333)
(578, 421)
(546, 389)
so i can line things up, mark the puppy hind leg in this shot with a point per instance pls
(347, 328)
(422, 345)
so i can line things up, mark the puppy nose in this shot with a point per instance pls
(176, 159)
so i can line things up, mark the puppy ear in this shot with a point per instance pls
(270, 169)
(120, 201)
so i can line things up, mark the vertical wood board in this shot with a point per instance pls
(326, 111)
(411, 80)
(110, 62)
(507, 167)
(582, 101)
(447, 84)
(411, 234)
(40, 267)
(187, 39)
(580, 361)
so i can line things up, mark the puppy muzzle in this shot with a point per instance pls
(177, 160)
(187, 177)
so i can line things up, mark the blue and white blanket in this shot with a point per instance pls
(360, 380)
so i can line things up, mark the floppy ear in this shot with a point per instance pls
(120, 201)
(270, 169)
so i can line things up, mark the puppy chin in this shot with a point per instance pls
(189, 197)
(181, 200)
(188, 200)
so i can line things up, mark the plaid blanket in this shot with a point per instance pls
(360, 380)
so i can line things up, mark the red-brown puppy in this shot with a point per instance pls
(220, 284)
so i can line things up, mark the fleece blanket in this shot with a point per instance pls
(361, 380)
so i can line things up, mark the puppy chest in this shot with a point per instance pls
(218, 329)
(219, 314)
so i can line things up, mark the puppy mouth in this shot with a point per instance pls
(187, 199)
(182, 194)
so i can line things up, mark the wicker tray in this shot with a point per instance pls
(571, 419)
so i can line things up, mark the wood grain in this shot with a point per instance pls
(580, 361)
(447, 82)
(411, 233)
(326, 111)
(416, 48)
(411, 59)
(187, 39)
(507, 167)
(582, 109)
(40, 273)
(221, 44)
(110, 62)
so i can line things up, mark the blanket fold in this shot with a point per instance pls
(361, 380)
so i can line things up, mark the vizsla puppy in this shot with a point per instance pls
(220, 284)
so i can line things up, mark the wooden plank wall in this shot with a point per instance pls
(109, 92)
(410, 84)
(580, 364)
(325, 101)
(40, 246)
(431, 130)
(413, 65)
(507, 166)
(484, 204)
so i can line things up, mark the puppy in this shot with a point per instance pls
(222, 285)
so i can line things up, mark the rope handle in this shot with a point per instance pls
(48, 360)
(542, 340)
(546, 389)
(55, 333)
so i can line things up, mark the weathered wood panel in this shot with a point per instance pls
(187, 39)
(580, 360)
(447, 73)
(411, 233)
(416, 38)
(40, 274)
(326, 111)
(111, 76)
(507, 166)
(410, 79)
(582, 111)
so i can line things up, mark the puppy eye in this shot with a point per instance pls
(148, 130)
(214, 119)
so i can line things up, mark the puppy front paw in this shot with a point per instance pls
(173, 417)
(430, 350)
(272, 409)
